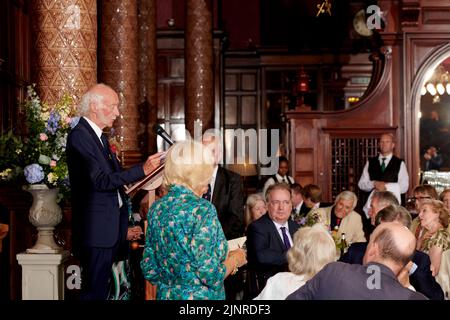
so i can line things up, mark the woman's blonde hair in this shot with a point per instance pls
(440, 208)
(313, 248)
(249, 204)
(189, 164)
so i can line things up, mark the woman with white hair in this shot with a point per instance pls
(186, 254)
(313, 248)
(340, 218)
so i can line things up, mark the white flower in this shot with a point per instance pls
(52, 178)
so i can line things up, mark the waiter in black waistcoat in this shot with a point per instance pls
(385, 172)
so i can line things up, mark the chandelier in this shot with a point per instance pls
(437, 84)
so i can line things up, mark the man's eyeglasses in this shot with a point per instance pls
(278, 202)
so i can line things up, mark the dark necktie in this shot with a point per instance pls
(105, 143)
(207, 195)
(284, 180)
(383, 164)
(287, 243)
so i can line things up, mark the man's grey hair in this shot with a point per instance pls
(386, 198)
(347, 195)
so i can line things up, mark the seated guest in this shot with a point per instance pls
(313, 248)
(389, 251)
(186, 254)
(269, 238)
(299, 207)
(255, 208)
(312, 197)
(379, 201)
(445, 198)
(421, 193)
(341, 218)
(421, 278)
(435, 238)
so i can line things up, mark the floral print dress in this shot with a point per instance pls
(185, 248)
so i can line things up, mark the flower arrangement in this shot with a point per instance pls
(314, 217)
(40, 156)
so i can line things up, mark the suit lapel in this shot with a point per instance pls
(91, 131)
(292, 228)
(274, 231)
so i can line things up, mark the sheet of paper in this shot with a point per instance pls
(236, 243)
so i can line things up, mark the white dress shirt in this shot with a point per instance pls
(397, 188)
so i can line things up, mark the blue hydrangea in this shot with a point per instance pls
(53, 122)
(34, 173)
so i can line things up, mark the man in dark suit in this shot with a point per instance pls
(269, 238)
(433, 159)
(99, 203)
(421, 278)
(225, 192)
(388, 256)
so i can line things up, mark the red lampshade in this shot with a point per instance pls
(302, 81)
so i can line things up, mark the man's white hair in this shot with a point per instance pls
(90, 97)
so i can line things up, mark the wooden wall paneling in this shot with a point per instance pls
(324, 166)
(231, 107)
(162, 103)
(176, 100)
(248, 110)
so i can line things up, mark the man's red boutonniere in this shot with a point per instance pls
(113, 149)
(114, 146)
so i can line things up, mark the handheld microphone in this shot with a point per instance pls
(163, 134)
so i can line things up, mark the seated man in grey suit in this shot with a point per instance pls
(269, 238)
(388, 254)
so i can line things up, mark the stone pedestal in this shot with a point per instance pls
(42, 275)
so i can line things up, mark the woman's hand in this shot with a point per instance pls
(240, 257)
(134, 233)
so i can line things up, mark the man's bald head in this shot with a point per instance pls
(391, 244)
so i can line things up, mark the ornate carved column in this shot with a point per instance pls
(147, 95)
(199, 65)
(64, 47)
(118, 61)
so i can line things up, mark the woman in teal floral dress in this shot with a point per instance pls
(186, 254)
(435, 239)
